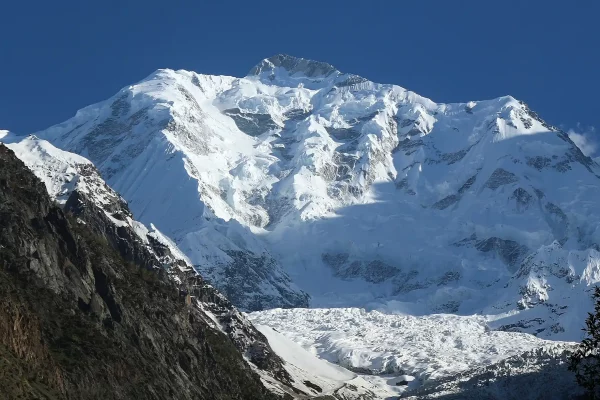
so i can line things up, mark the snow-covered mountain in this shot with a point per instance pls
(299, 178)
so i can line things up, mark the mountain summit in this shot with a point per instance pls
(300, 185)
(294, 65)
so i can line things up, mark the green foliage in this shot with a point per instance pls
(585, 361)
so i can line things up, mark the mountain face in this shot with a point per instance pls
(83, 314)
(301, 180)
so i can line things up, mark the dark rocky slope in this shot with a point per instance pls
(78, 320)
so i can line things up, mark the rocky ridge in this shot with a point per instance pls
(81, 321)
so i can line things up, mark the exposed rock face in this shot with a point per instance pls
(509, 251)
(80, 321)
(294, 65)
(500, 177)
(541, 372)
(242, 282)
(157, 253)
(251, 124)
(375, 271)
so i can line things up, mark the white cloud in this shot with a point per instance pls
(585, 139)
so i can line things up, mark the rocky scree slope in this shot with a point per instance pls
(81, 319)
(299, 178)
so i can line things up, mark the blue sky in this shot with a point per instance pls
(57, 57)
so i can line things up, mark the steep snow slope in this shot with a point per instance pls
(365, 194)
(149, 142)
